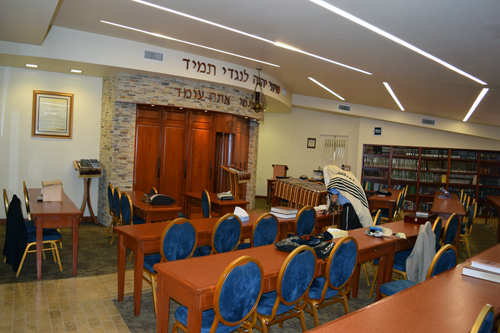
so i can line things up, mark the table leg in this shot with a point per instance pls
(163, 310)
(355, 281)
(138, 266)
(385, 264)
(194, 319)
(39, 247)
(75, 244)
(122, 251)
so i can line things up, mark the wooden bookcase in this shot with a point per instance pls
(425, 170)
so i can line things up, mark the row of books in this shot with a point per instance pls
(490, 157)
(434, 165)
(463, 179)
(487, 181)
(430, 177)
(375, 174)
(464, 154)
(464, 167)
(405, 151)
(435, 153)
(482, 269)
(483, 192)
(408, 205)
(404, 163)
(284, 212)
(371, 186)
(376, 161)
(404, 175)
(424, 206)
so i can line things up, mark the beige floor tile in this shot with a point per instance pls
(108, 325)
(70, 326)
(6, 320)
(5, 328)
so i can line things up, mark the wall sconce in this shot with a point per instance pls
(258, 100)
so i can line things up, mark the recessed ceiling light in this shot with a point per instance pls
(327, 89)
(245, 34)
(393, 38)
(186, 42)
(75, 71)
(388, 87)
(31, 65)
(476, 103)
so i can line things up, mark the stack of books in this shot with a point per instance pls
(482, 269)
(284, 212)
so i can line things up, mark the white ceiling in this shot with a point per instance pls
(464, 33)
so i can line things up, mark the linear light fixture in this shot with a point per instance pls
(186, 42)
(247, 34)
(393, 38)
(476, 103)
(327, 89)
(76, 71)
(388, 87)
(31, 65)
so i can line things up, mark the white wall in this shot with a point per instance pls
(25, 158)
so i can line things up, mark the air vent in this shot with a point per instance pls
(344, 107)
(428, 122)
(151, 55)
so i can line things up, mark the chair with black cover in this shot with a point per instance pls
(264, 232)
(305, 222)
(206, 205)
(225, 236)
(117, 195)
(111, 209)
(466, 229)
(6, 206)
(485, 320)
(450, 230)
(178, 241)
(335, 285)
(127, 213)
(294, 279)
(235, 299)
(444, 259)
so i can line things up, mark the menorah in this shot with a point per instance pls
(334, 148)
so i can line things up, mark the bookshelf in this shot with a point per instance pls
(425, 170)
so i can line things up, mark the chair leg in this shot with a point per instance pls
(22, 261)
(314, 311)
(302, 321)
(346, 305)
(130, 256)
(112, 238)
(366, 273)
(153, 286)
(58, 257)
(109, 228)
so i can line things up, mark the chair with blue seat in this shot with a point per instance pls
(111, 209)
(335, 285)
(264, 232)
(466, 229)
(485, 320)
(450, 230)
(385, 211)
(436, 227)
(305, 222)
(235, 299)
(117, 195)
(127, 214)
(225, 236)
(493, 219)
(178, 241)
(445, 259)
(206, 205)
(294, 279)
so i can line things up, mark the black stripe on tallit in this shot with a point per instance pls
(342, 184)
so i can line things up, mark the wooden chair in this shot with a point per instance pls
(264, 232)
(279, 170)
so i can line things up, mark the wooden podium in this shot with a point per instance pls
(87, 174)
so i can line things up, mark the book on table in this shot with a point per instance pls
(284, 216)
(486, 265)
(468, 270)
(284, 210)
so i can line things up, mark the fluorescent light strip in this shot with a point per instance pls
(75, 71)
(476, 103)
(189, 43)
(246, 34)
(388, 87)
(31, 65)
(393, 38)
(327, 89)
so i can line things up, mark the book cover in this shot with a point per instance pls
(284, 216)
(284, 210)
(486, 265)
(468, 270)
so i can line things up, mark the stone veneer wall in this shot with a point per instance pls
(121, 93)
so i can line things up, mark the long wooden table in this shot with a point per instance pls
(149, 212)
(494, 201)
(448, 302)
(444, 207)
(53, 214)
(222, 207)
(145, 238)
(384, 202)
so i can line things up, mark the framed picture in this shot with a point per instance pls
(52, 115)
(311, 143)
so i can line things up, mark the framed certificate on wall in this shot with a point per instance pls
(52, 114)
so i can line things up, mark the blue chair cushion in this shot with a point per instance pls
(150, 261)
(48, 235)
(487, 325)
(390, 288)
(317, 287)
(138, 220)
(462, 228)
(384, 212)
(207, 320)
(400, 260)
(202, 251)
(446, 261)
(265, 232)
(266, 304)
(243, 246)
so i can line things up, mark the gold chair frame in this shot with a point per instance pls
(298, 216)
(209, 205)
(53, 248)
(468, 230)
(481, 317)
(118, 217)
(111, 212)
(443, 236)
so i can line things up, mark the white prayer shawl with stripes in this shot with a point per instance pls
(348, 185)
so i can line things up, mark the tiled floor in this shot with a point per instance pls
(67, 305)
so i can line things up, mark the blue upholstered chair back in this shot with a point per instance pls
(306, 221)
(485, 320)
(205, 204)
(178, 240)
(110, 199)
(472, 214)
(296, 275)
(265, 231)
(451, 229)
(445, 259)
(226, 234)
(438, 224)
(378, 218)
(116, 202)
(238, 291)
(126, 209)
(342, 262)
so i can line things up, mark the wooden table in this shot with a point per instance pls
(219, 206)
(270, 185)
(387, 202)
(444, 207)
(149, 212)
(448, 302)
(192, 282)
(494, 201)
(53, 214)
